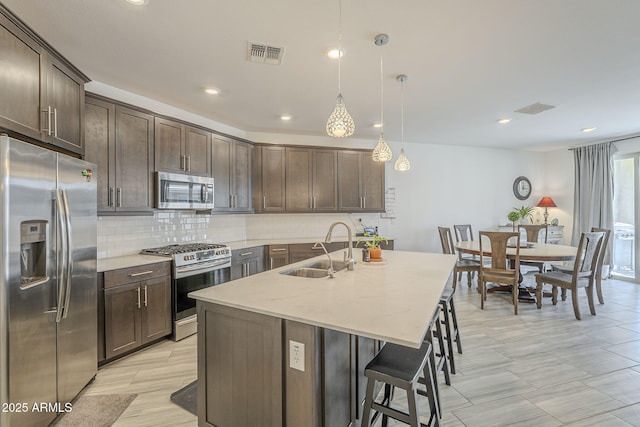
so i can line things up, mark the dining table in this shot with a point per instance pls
(529, 251)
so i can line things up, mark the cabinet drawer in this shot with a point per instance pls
(240, 255)
(135, 274)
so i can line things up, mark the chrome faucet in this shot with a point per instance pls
(330, 271)
(350, 261)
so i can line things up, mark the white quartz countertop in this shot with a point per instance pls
(241, 244)
(133, 260)
(390, 301)
(115, 263)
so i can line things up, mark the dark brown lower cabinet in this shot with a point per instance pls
(136, 311)
(239, 368)
(302, 251)
(278, 256)
(246, 262)
(247, 379)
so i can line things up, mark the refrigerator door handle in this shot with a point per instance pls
(61, 254)
(67, 215)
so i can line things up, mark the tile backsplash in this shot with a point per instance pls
(125, 235)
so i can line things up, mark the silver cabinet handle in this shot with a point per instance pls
(279, 250)
(314, 202)
(264, 202)
(188, 163)
(48, 129)
(119, 197)
(271, 262)
(310, 202)
(246, 253)
(138, 290)
(110, 201)
(364, 203)
(142, 273)
(361, 206)
(145, 295)
(182, 162)
(55, 122)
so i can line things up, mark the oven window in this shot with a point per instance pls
(186, 306)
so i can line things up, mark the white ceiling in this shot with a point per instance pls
(469, 63)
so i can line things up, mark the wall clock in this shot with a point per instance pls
(522, 188)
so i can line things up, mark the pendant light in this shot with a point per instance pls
(340, 123)
(382, 152)
(402, 163)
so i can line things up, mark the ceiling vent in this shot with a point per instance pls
(536, 108)
(260, 52)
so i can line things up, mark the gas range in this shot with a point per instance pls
(192, 253)
(195, 266)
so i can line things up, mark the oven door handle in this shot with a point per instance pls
(201, 268)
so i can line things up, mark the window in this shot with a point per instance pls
(625, 207)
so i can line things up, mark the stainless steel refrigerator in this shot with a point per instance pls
(48, 305)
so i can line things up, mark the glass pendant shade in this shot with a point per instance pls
(340, 123)
(382, 152)
(402, 164)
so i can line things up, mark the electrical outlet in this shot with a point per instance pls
(296, 355)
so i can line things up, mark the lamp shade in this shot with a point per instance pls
(546, 202)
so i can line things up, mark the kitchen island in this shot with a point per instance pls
(275, 349)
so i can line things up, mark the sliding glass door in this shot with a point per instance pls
(626, 202)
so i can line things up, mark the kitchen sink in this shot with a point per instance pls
(314, 273)
(324, 263)
(316, 270)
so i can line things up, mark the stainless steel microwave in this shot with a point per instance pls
(177, 191)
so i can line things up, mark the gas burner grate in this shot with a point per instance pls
(182, 248)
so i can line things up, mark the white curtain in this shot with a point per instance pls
(593, 191)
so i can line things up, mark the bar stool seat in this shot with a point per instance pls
(401, 367)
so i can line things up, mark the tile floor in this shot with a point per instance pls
(540, 368)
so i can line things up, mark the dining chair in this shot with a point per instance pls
(500, 270)
(462, 265)
(464, 233)
(582, 276)
(567, 266)
(532, 232)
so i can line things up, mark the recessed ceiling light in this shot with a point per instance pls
(137, 2)
(504, 120)
(212, 90)
(285, 117)
(587, 130)
(334, 53)
(377, 125)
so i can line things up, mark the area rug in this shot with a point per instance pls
(95, 411)
(187, 397)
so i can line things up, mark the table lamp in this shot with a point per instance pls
(546, 203)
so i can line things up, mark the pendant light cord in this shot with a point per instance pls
(402, 113)
(381, 93)
(339, 45)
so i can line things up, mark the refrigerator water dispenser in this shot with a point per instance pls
(33, 253)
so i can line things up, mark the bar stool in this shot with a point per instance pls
(402, 367)
(450, 322)
(439, 351)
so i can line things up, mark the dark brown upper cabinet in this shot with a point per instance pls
(269, 179)
(361, 182)
(311, 180)
(232, 175)
(119, 140)
(181, 149)
(42, 95)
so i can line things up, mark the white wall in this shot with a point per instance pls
(457, 185)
